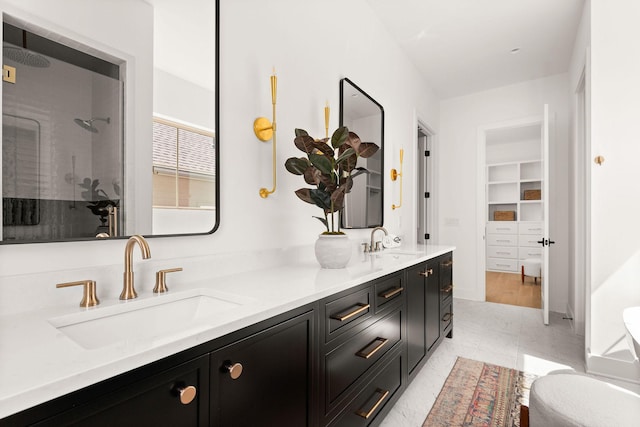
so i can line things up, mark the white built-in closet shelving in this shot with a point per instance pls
(511, 242)
(506, 184)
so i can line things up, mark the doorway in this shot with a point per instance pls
(513, 212)
(425, 185)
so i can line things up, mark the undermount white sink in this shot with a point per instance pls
(146, 320)
(631, 318)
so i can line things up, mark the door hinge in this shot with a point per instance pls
(427, 236)
(427, 194)
(427, 153)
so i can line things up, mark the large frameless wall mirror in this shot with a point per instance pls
(109, 119)
(363, 206)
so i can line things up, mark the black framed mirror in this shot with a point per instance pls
(363, 205)
(109, 133)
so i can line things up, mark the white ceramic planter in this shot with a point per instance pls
(333, 251)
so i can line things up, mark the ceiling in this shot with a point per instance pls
(464, 46)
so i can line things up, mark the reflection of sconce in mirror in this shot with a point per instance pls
(394, 175)
(265, 130)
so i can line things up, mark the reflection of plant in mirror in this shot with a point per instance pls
(330, 168)
(99, 200)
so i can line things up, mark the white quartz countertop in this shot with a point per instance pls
(38, 362)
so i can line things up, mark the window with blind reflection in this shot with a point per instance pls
(183, 166)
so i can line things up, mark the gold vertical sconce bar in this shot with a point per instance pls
(394, 176)
(326, 119)
(266, 130)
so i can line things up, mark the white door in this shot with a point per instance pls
(545, 242)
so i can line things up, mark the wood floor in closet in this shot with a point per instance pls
(507, 288)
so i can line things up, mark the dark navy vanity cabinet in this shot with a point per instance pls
(341, 361)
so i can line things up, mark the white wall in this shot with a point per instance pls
(312, 45)
(460, 119)
(579, 159)
(615, 229)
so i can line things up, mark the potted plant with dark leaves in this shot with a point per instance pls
(329, 167)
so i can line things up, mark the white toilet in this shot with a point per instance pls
(579, 400)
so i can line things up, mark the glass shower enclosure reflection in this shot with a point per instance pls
(62, 141)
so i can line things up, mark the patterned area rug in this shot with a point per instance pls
(480, 394)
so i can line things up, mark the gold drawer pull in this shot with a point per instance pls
(447, 317)
(450, 262)
(360, 309)
(366, 414)
(392, 293)
(448, 289)
(427, 273)
(363, 353)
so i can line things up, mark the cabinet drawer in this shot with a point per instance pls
(529, 240)
(446, 316)
(502, 264)
(388, 290)
(347, 362)
(346, 310)
(529, 252)
(530, 228)
(161, 392)
(502, 251)
(374, 397)
(502, 239)
(502, 227)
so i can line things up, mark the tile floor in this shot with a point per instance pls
(501, 334)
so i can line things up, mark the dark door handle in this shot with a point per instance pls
(546, 242)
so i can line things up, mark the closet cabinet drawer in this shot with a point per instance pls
(530, 228)
(530, 252)
(529, 240)
(355, 356)
(502, 252)
(502, 264)
(502, 227)
(502, 239)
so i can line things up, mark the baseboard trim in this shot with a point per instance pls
(613, 368)
(571, 316)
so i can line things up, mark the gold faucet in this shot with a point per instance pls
(377, 248)
(128, 291)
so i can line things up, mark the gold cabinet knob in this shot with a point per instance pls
(234, 369)
(187, 394)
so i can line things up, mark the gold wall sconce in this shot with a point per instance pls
(326, 119)
(266, 130)
(394, 176)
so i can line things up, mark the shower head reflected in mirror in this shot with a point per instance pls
(88, 124)
(25, 57)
